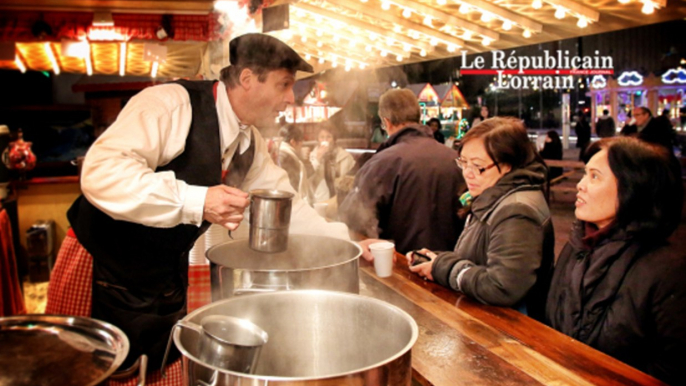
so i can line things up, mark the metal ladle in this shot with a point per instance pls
(226, 342)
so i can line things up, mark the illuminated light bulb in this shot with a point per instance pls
(467, 35)
(368, 48)
(122, 59)
(422, 53)
(348, 62)
(155, 67)
(320, 54)
(372, 36)
(451, 48)
(624, 1)
(507, 25)
(464, 8)
(537, 4)
(486, 41)
(582, 23)
(363, 1)
(303, 39)
(336, 38)
(486, 17)
(441, 2)
(407, 47)
(434, 42)
(320, 44)
(318, 19)
(648, 7)
(319, 33)
(20, 65)
(347, 68)
(352, 43)
(362, 66)
(287, 35)
(308, 56)
(385, 5)
(384, 53)
(560, 13)
(399, 58)
(526, 33)
(389, 41)
(428, 21)
(300, 13)
(321, 60)
(407, 13)
(397, 29)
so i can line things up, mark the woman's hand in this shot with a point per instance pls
(366, 253)
(423, 269)
(322, 149)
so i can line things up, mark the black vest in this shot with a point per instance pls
(140, 273)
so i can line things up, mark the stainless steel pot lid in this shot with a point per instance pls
(46, 350)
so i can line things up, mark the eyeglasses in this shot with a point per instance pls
(464, 165)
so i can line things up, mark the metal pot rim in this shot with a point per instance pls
(305, 269)
(395, 309)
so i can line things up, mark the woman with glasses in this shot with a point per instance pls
(504, 256)
(618, 285)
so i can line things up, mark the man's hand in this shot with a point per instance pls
(225, 205)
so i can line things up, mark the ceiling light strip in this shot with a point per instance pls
(361, 39)
(448, 18)
(382, 32)
(576, 9)
(505, 14)
(430, 32)
(88, 59)
(153, 70)
(51, 56)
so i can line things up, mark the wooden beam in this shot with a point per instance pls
(408, 25)
(381, 32)
(447, 18)
(504, 13)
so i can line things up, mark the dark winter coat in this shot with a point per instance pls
(605, 127)
(508, 242)
(624, 298)
(658, 131)
(408, 192)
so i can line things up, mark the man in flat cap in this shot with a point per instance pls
(179, 157)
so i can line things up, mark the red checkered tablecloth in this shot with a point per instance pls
(199, 288)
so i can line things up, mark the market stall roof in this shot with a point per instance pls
(450, 96)
(332, 33)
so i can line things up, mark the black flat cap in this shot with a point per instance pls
(266, 51)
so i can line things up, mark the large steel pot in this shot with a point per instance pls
(315, 338)
(310, 262)
(52, 350)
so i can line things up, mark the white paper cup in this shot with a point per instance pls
(383, 258)
(320, 207)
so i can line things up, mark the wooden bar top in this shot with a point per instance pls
(463, 342)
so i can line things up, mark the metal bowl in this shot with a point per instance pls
(47, 350)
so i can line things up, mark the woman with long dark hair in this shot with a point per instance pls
(505, 254)
(618, 286)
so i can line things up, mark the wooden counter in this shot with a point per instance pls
(462, 342)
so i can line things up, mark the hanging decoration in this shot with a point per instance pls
(18, 155)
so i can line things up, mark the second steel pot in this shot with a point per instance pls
(310, 262)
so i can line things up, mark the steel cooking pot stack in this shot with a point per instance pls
(309, 262)
(315, 338)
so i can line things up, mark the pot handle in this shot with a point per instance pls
(181, 323)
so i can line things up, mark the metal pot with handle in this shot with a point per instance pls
(315, 338)
(309, 262)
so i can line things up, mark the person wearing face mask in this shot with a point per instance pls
(618, 285)
(504, 256)
(330, 162)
